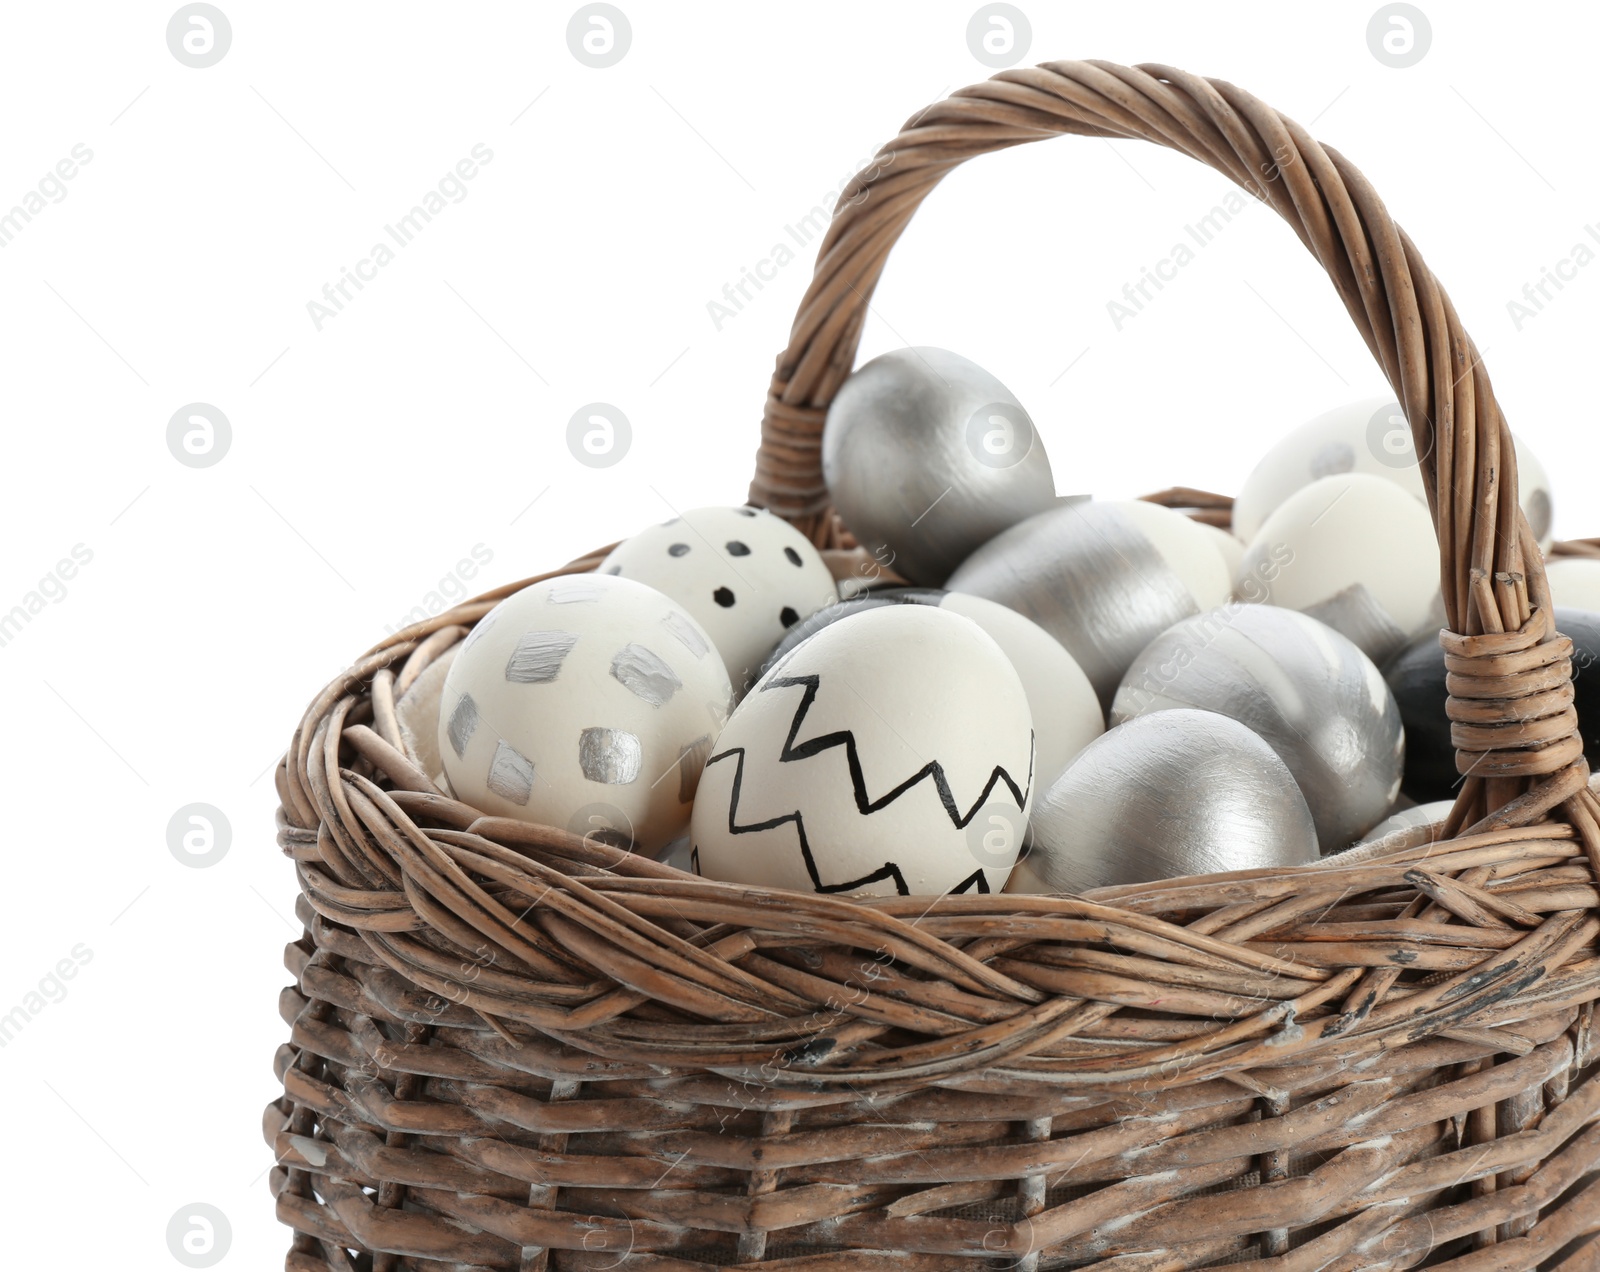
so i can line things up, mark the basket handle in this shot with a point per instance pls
(1517, 743)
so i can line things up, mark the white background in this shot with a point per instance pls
(370, 456)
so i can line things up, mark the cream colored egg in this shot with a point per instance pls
(1229, 546)
(745, 575)
(1407, 819)
(889, 753)
(1367, 436)
(1187, 546)
(1066, 712)
(1354, 551)
(1533, 493)
(585, 702)
(1575, 582)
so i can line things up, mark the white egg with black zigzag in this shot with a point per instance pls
(587, 703)
(891, 753)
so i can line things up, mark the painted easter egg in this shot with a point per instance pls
(1066, 712)
(745, 576)
(892, 753)
(1355, 552)
(1166, 795)
(927, 456)
(1315, 698)
(1103, 578)
(1367, 436)
(580, 702)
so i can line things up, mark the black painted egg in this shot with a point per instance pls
(1416, 677)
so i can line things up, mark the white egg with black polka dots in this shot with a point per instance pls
(588, 703)
(746, 576)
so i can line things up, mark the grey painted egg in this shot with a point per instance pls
(927, 456)
(1103, 578)
(1167, 795)
(1320, 703)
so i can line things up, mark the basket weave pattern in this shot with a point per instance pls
(513, 1048)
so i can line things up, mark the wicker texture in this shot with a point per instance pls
(515, 1049)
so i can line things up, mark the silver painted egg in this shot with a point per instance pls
(1164, 796)
(1103, 578)
(927, 456)
(1314, 697)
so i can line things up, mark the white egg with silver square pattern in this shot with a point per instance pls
(584, 702)
(746, 576)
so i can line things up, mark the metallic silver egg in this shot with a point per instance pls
(1162, 796)
(927, 456)
(1092, 576)
(1319, 702)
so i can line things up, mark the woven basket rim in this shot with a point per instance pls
(903, 924)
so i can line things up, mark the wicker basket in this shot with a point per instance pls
(514, 1049)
